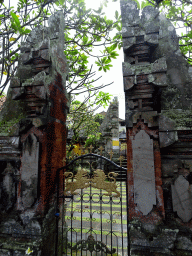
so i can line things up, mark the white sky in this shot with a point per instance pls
(115, 73)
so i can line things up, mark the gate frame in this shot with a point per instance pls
(59, 191)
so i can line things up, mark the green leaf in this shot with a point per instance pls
(14, 16)
(107, 61)
(85, 39)
(114, 54)
(26, 31)
(116, 14)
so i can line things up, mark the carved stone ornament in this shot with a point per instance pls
(182, 198)
(143, 171)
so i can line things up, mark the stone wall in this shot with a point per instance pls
(157, 89)
(34, 145)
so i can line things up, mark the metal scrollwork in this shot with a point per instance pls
(98, 181)
(91, 245)
(81, 181)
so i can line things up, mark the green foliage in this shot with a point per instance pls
(181, 118)
(143, 4)
(99, 118)
(8, 127)
(2, 95)
(84, 123)
(93, 30)
(103, 98)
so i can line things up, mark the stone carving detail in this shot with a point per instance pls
(181, 198)
(143, 169)
(29, 174)
(8, 193)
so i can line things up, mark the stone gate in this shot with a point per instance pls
(157, 89)
(33, 142)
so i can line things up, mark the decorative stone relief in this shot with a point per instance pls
(182, 198)
(8, 192)
(143, 171)
(29, 174)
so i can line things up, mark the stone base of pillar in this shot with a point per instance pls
(37, 237)
(158, 240)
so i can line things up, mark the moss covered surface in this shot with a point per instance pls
(182, 118)
(12, 112)
(170, 98)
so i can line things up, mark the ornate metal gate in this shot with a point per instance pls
(94, 219)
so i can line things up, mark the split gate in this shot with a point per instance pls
(94, 219)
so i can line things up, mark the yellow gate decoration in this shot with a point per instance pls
(81, 181)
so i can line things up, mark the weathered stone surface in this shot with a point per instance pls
(158, 79)
(17, 93)
(166, 124)
(27, 216)
(168, 133)
(165, 240)
(167, 138)
(184, 243)
(149, 117)
(143, 168)
(159, 65)
(127, 70)
(29, 171)
(149, 13)
(128, 32)
(153, 241)
(155, 72)
(138, 238)
(110, 127)
(128, 82)
(175, 166)
(40, 86)
(128, 42)
(181, 198)
(56, 31)
(151, 38)
(5, 252)
(129, 13)
(36, 37)
(167, 33)
(15, 82)
(8, 194)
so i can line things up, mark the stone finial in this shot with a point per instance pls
(129, 13)
(149, 14)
